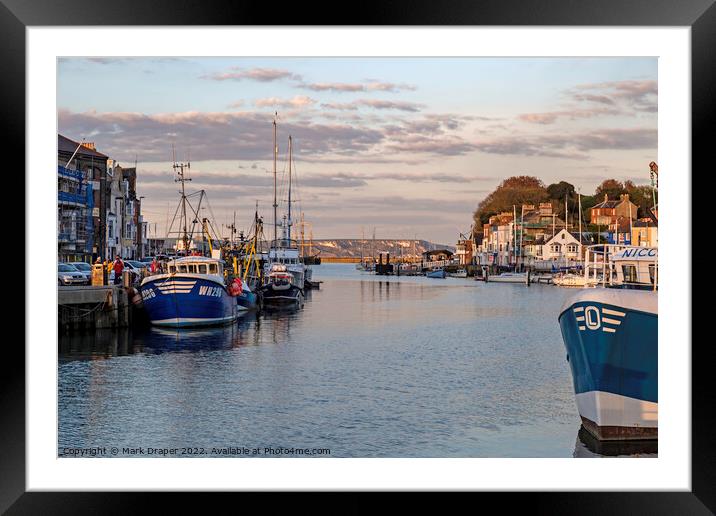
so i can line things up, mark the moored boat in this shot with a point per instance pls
(508, 277)
(281, 286)
(436, 273)
(191, 293)
(611, 338)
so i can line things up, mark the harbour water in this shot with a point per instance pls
(370, 366)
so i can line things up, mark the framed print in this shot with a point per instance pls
(419, 251)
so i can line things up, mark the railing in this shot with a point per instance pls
(74, 174)
(79, 198)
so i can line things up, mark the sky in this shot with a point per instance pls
(407, 147)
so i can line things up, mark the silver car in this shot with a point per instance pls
(69, 275)
(84, 268)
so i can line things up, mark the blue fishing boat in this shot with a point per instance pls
(611, 337)
(436, 273)
(191, 293)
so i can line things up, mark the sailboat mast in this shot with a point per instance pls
(579, 205)
(290, 159)
(275, 204)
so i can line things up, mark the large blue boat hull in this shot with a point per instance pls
(611, 337)
(188, 301)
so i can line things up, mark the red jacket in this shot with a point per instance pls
(118, 267)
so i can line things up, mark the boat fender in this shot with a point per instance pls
(236, 288)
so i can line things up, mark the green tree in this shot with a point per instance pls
(513, 191)
(558, 192)
(611, 187)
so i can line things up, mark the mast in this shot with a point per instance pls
(579, 202)
(522, 230)
(179, 169)
(514, 233)
(275, 204)
(290, 158)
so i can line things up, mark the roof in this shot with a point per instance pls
(196, 259)
(64, 144)
(607, 204)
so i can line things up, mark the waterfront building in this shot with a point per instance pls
(644, 233)
(565, 249)
(465, 251)
(125, 224)
(609, 212)
(81, 197)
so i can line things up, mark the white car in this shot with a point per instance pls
(134, 271)
(69, 275)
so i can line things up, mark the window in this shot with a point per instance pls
(572, 248)
(201, 268)
(181, 268)
(212, 268)
(555, 248)
(172, 269)
(629, 272)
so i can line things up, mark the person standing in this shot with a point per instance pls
(118, 268)
(154, 266)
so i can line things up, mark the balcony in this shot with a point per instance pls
(69, 197)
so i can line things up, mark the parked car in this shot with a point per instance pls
(85, 268)
(69, 275)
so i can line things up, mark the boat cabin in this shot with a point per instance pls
(196, 265)
(635, 267)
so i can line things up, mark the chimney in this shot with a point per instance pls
(624, 197)
(89, 145)
(606, 197)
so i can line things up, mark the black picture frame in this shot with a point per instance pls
(700, 15)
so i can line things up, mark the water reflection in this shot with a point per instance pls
(588, 446)
(369, 366)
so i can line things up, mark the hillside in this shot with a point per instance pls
(355, 247)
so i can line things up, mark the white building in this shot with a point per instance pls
(564, 249)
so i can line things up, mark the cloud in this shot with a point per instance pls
(253, 74)
(637, 95)
(552, 116)
(375, 104)
(210, 136)
(297, 102)
(571, 145)
(338, 87)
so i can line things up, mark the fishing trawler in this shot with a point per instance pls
(193, 291)
(611, 338)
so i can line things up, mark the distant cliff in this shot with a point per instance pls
(355, 247)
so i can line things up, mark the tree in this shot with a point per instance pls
(513, 191)
(558, 192)
(611, 187)
(641, 196)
